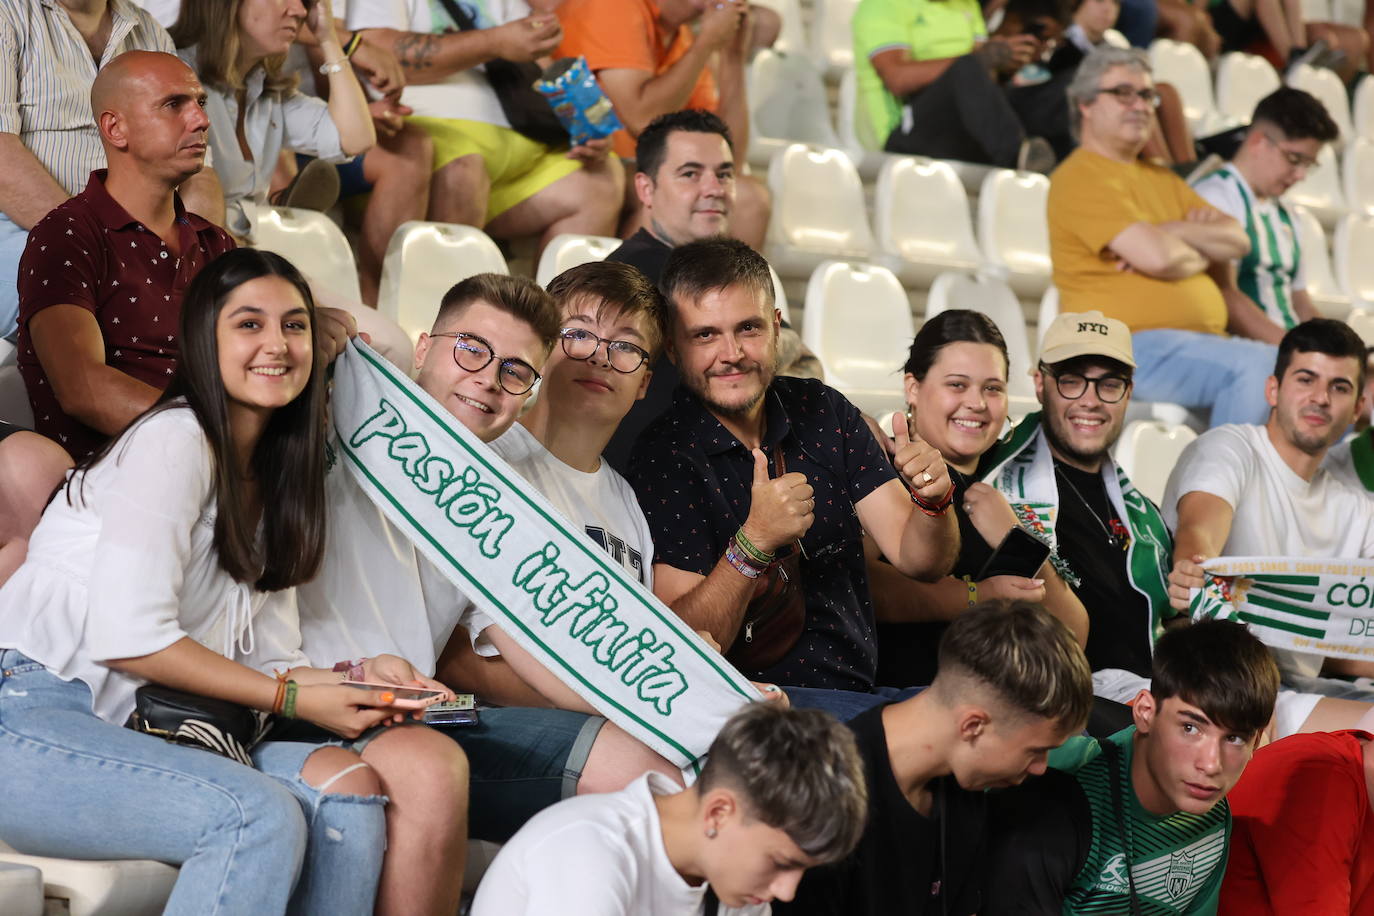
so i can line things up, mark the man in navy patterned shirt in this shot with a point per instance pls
(747, 466)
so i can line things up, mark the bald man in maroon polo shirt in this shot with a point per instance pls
(101, 279)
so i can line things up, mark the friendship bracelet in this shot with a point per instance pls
(741, 564)
(972, 590)
(352, 44)
(279, 698)
(933, 508)
(751, 550)
(288, 709)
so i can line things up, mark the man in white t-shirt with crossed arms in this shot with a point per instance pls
(1242, 490)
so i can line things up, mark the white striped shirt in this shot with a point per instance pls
(46, 71)
(1272, 271)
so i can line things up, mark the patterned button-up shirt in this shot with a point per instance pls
(693, 479)
(89, 252)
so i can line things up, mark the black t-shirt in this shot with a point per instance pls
(647, 253)
(897, 868)
(907, 652)
(1041, 833)
(1119, 634)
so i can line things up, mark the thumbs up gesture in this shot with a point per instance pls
(781, 509)
(920, 464)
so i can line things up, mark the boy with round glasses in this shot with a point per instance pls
(612, 328)
(1265, 291)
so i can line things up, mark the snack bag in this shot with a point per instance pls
(577, 100)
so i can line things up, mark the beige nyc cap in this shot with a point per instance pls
(1086, 334)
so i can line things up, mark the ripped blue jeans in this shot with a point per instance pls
(78, 787)
(345, 835)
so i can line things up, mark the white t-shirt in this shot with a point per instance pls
(375, 592)
(1277, 513)
(465, 95)
(594, 855)
(128, 567)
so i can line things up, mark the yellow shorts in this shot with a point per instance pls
(518, 167)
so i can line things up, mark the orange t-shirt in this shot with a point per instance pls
(626, 35)
(1092, 198)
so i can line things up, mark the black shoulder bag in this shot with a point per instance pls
(529, 112)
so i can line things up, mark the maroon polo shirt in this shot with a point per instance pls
(89, 252)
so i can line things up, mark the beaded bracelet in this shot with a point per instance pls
(972, 590)
(751, 550)
(742, 564)
(288, 708)
(352, 44)
(933, 508)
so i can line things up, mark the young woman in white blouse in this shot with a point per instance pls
(170, 557)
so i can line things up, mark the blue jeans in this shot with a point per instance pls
(345, 836)
(12, 242)
(846, 704)
(78, 787)
(1194, 369)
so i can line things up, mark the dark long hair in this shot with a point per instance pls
(288, 461)
(953, 326)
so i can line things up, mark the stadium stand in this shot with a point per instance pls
(818, 210)
(1326, 293)
(788, 104)
(859, 348)
(1012, 230)
(410, 282)
(921, 220)
(1147, 452)
(564, 251)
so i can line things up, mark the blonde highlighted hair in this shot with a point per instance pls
(212, 28)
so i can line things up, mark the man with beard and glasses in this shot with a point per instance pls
(1057, 472)
(1261, 491)
(747, 466)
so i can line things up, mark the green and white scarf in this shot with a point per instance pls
(551, 589)
(1021, 467)
(1322, 607)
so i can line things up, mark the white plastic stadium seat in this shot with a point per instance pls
(14, 397)
(1362, 110)
(995, 299)
(124, 887)
(1363, 324)
(1321, 190)
(1148, 451)
(21, 890)
(854, 130)
(1316, 10)
(1329, 90)
(1183, 66)
(788, 104)
(818, 210)
(423, 260)
(311, 241)
(1357, 175)
(1316, 265)
(1013, 231)
(921, 220)
(568, 250)
(1354, 264)
(858, 322)
(780, 296)
(1049, 310)
(1242, 80)
(1348, 12)
(832, 40)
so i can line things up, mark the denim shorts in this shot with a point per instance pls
(520, 761)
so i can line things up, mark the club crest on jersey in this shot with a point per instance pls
(1181, 873)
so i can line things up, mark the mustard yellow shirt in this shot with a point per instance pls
(1092, 199)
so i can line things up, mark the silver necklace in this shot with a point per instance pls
(1106, 529)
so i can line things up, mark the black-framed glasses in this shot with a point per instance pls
(1127, 94)
(473, 354)
(579, 343)
(1071, 386)
(1295, 159)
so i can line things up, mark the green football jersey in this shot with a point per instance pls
(1177, 861)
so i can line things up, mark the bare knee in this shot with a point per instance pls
(33, 466)
(418, 761)
(325, 770)
(617, 759)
